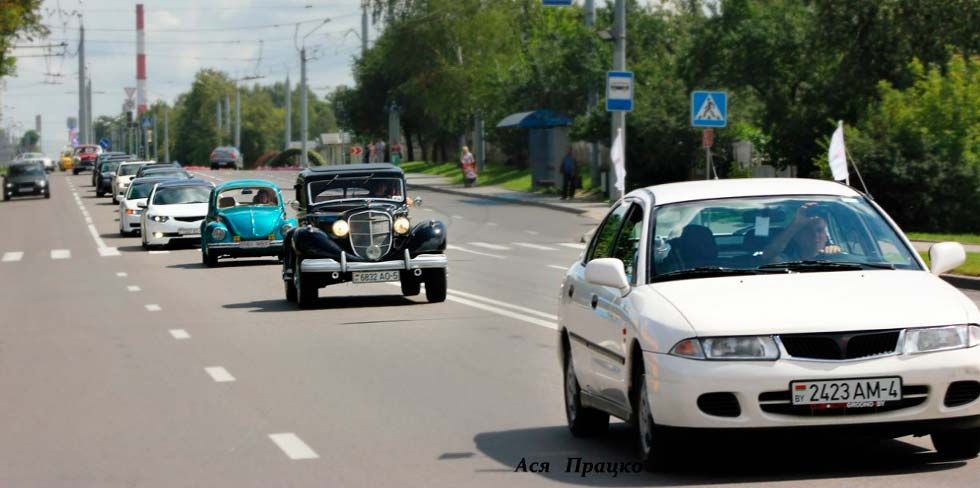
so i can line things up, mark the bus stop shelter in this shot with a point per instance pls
(548, 142)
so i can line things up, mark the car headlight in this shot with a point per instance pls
(10, 185)
(284, 228)
(934, 339)
(401, 225)
(159, 218)
(218, 234)
(42, 183)
(741, 348)
(340, 228)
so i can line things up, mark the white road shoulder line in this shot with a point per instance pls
(160, 252)
(555, 266)
(152, 307)
(293, 446)
(462, 249)
(505, 313)
(219, 374)
(573, 245)
(495, 247)
(13, 256)
(179, 334)
(133, 288)
(60, 253)
(539, 247)
(505, 304)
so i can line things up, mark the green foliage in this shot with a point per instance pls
(20, 20)
(28, 142)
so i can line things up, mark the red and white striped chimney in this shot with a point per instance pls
(140, 62)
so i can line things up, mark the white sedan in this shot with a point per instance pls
(174, 210)
(769, 304)
(132, 203)
(124, 175)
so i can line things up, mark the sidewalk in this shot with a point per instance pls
(924, 246)
(594, 210)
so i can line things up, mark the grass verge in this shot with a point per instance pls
(514, 179)
(961, 238)
(970, 268)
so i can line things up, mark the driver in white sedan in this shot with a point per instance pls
(808, 236)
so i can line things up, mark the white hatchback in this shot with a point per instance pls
(769, 304)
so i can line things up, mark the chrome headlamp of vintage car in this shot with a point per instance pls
(401, 225)
(284, 228)
(218, 234)
(340, 228)
(158, 218)
(934, 339)
(739, 348)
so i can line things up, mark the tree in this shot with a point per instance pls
(28, 142)
(19, 20)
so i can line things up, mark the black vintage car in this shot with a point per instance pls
(354, 226)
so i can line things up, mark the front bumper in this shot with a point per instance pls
(327, 265)
(158, 233)
(274, 248)
(675, 384)
(130, 222)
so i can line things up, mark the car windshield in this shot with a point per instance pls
(25, 170)
(181, 195)
(363, 187)
(258, 195)
(128, 169)
(109, 167)
(773, 234)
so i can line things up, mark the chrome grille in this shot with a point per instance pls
(368, 229)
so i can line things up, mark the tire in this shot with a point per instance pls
(306, 294)
(6, 197)
(214, 167)
(411, 285)
(290, 291)
(435, 285)
(209, 260)
(74, 172)
(47, 195)
(99, 194)
(582, 421)
(115, 201)
(957, 444)
(651, 444)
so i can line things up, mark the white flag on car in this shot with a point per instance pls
(618, 156)
(838, 154)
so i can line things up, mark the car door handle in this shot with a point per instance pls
(595, 301)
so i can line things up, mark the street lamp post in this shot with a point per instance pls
(304, 113)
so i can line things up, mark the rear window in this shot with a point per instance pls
(128, 169)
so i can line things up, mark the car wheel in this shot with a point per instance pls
(582, 421)
(306, 293)
(957, 444)
(210, 260)
(290, 291)
(411, 285)
(435, 285)
(99, 194)
(47, 195)
(115, 201)
(6, 197)
(74, 172)
(214, 167)
(651, 444)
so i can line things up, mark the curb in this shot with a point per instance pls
(960, 281)
(514, 201)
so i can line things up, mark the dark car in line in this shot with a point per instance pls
(354, 226)
(104, 157)
(226, 157)
(171, 170)
(24, 179)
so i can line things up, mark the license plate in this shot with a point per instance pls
(853, 393)
(254, 244)
(189, 231)
(375, 276)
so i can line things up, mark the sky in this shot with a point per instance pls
(182, 36)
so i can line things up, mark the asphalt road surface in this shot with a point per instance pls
(120, 367)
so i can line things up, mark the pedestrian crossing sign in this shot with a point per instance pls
(709, 109)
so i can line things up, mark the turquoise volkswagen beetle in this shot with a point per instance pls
(246, 218)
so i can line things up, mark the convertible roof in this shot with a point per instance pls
(690, 191)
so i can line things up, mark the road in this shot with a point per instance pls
(120, 367)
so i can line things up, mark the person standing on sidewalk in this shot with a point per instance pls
(568, 176)
(467, 163)
(396, 153)
(379, 147)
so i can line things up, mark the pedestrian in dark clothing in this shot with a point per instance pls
(568, 183)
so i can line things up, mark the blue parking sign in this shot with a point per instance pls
(709, 109)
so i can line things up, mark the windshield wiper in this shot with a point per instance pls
(704, 272)
(823, 265)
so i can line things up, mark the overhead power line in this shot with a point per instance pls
(204, 29)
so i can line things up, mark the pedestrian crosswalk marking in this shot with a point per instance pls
(60, 253)
(14, 256)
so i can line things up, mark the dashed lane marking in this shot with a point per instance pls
(555, 266)
(219, 374)
(458, 217)
(133, 288)
(573, 245)
(180, 334)
(122, 274)
(495, 247)
(152, 307)
(532, 232)
(60, 253)
(160, 252)
(539, 247)
(463, 249)
(13, 256)
(499, 303)
(293, 446)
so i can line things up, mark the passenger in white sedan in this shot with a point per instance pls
(808, 236)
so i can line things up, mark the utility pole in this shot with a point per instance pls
(364, 28)
(89, 133)
(592, 100)
(166, 134)
(154, 135)
(289, 115)
(303, 115)
(238, 118)
(619, 64)
(227, 125)
(221, 133)
(81, 84)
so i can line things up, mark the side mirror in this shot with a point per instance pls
(141, 204)
(293, 204)
(607, 272)
(945, 256)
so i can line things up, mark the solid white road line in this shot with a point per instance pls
(500, 311)
(160, 252)
(104, 250)
(534, 246)
(573, 245)
(133, 288)
(495, 247)
(153, 307)
(458, 217)
(60, 253)
(122, 274)
(555, 266)
(219, 374)
(498, 303)
(10, 257)
(462, 249)
(179, 334)
(532, 232)
(293, 446)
